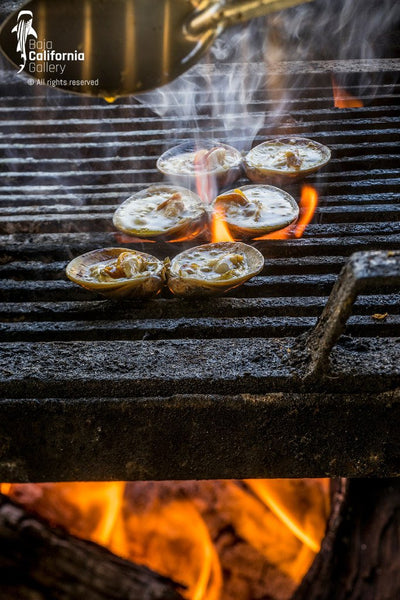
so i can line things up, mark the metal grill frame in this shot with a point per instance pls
(207, 389)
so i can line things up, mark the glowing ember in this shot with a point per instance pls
(174, 528)
(342, 98)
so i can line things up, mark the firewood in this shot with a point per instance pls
(360, 556)
(38, 562)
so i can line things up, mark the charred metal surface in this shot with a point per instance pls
(206, 388)
(363, 272)
(166, 367)
(194, 436)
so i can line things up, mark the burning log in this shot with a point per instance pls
(358, 559)
(36, 559)
(222, 540)
(360, 556)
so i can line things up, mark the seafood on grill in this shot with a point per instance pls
(161, 210)
(204, 158)
(285, 158)
(118, 273)
(213, 269)
(254, 210)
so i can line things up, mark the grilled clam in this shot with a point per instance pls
(254, 210)
(213, 269)
(165, 211)
(204, 158)
(118, 273)
(285, 158)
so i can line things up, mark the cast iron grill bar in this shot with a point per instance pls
(75, 202)
(363, 134)
(274, 422)
(195, 328)
(339, 222)
(129, 368)
(167, 309)
(47, 247)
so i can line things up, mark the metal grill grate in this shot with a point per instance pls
(85, 367)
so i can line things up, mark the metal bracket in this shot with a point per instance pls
(363, 272)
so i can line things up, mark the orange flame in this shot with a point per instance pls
(343, 99)
(219, 228)
(100, 507)
(273, 496)
(307, 207)
(173, 539)
(307, 523)
(281, 234)
(298, 504)
(283, 520)
(107, 499)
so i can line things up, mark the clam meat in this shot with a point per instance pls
(213, 269)
(188, 160)
(161, 211)
(285, 158)
(118, 273)
(254, 210)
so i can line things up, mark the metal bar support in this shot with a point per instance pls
(364, 272)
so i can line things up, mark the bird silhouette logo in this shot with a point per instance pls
(23, 29)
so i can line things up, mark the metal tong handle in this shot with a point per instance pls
(364, 271)
(221, 15)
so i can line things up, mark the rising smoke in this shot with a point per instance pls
(250, 60)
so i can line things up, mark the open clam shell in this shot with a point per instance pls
(202, 158)
(285, 158)
(254, 210)
(166, 211)
(213, 269)
(118, 273)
